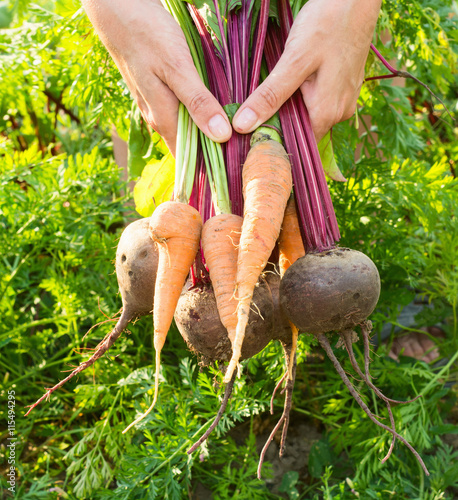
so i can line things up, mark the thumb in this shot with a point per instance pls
(278, 87)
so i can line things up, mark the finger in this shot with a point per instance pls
(182, 78)
(286, 77)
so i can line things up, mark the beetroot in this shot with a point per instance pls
(197, 319)
(136, 265)
(335, 291)
(330, 291)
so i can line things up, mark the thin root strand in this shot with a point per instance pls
(101, 350)
(327, 347)
(222, 409)
(284, 419)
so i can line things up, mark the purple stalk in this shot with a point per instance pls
(235, 51)
(258, 45)
(316, 213)
(200, 199)
(225, 56)
(379, 77)
(403, 74)
(244, 21)
(318, 168)
(385, 63)
(231, 74)
(218, 83)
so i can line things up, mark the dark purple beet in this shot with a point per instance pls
(335, 291)
(197, 319)
(329, 291)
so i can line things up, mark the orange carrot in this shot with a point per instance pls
(176, 229)
(291, 248)
(290, 241)
(220, 240)
(267, 184)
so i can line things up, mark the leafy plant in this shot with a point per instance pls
(62, 208)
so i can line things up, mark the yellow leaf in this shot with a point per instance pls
(155, 185)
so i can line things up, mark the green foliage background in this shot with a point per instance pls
(63, 205)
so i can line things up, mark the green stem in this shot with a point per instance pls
(186, 155)
(315, 415)
(186, 442)
(270, 130)
(422, 482)
(108, 417)
(445, 369)
(44, 321)
(216, 171)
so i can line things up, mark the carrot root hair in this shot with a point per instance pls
(284, 419)
(156, 391)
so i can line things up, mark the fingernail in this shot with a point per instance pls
(246, 120)
(219, 127)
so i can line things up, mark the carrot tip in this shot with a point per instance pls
(233, 365)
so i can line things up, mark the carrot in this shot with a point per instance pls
(290, 241)
(220, 240)
(176, 229)
(267, 184)
(291, 248)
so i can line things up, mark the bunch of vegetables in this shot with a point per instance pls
(243, 256)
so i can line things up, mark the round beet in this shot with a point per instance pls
(329, 291)
(335, 291)
(197, 319)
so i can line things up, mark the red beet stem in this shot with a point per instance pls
(318, 222)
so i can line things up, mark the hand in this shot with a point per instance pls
(150, 50)
(324, 57)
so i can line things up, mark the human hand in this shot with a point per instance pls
(324, 57)
(150, 50)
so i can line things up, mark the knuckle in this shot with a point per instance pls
(198, 102)
(269, 96)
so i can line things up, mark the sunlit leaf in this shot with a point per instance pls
(329, 160)
(155, 185)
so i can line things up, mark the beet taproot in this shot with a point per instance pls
(136, 265)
